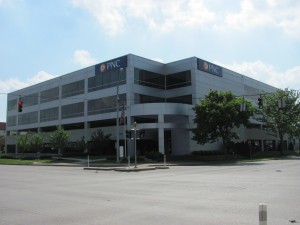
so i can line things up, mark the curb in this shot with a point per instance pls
(126, 169)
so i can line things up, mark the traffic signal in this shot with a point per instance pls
(20, 105)
(260, 103)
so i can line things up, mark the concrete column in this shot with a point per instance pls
(161, 140)
(161, 134)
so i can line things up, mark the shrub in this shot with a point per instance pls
(207, 153)
(156, 156)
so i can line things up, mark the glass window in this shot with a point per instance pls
(12, 104)
(73, 126)
(102, 123)
(11, 121)
(49, 114)
(185, 99)
(140, 99)
(72, 89)
(104, 105)
(72, 110)
(145, 119)
(149, 79)
(50, 95)
(177, 80)
(106, 80)
(28, 118)
(29, 100)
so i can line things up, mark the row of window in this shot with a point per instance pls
(106, 80)
(96, 106)
(160, 81)
(142, 99)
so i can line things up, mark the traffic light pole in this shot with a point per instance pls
(125, 139)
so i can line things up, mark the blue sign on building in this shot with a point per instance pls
(210, 68)
(110, 65)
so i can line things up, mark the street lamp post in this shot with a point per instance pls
(117, 119)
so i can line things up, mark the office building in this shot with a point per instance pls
(159, 97)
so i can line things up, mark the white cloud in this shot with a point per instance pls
(159, 15)
(248, 17)
(83, 57)
(267, 73)
(283, 15)
(13, 84)
(115, 17)
(173, 14)
(108, 14)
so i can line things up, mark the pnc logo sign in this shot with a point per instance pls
(111, 65)
(210, 68)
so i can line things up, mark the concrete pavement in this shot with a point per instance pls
(226, 194)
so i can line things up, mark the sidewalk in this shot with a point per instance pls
(126, 168)
(97, 165)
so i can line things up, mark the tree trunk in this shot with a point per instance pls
(281, 145)
(224, 146)
(59, 153)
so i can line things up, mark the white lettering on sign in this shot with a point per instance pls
(113, 65)
(213, 69)
(209, 68)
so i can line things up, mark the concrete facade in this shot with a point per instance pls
(158, 96)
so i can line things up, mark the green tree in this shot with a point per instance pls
(283, 119)
(296, 133)
(217, 115)
(100, 141)
(36, 141)
(23, 142)
(2, 141)
(59, 140)
(81, 145)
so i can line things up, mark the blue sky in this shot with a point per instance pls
(41, 39)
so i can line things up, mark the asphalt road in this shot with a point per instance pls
(226, 194)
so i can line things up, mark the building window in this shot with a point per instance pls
(106, 80)
(49, 114)
(102, 123)
(73, 126)
(72, 89)
(145, 119)
(12, 104)
(28, 118)
(50, 95)
(11, 121)
(30, 100)
(149, 79)
(185, 99)
(105, 105)
(141, 99)
(72, 110)
(177, 80)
